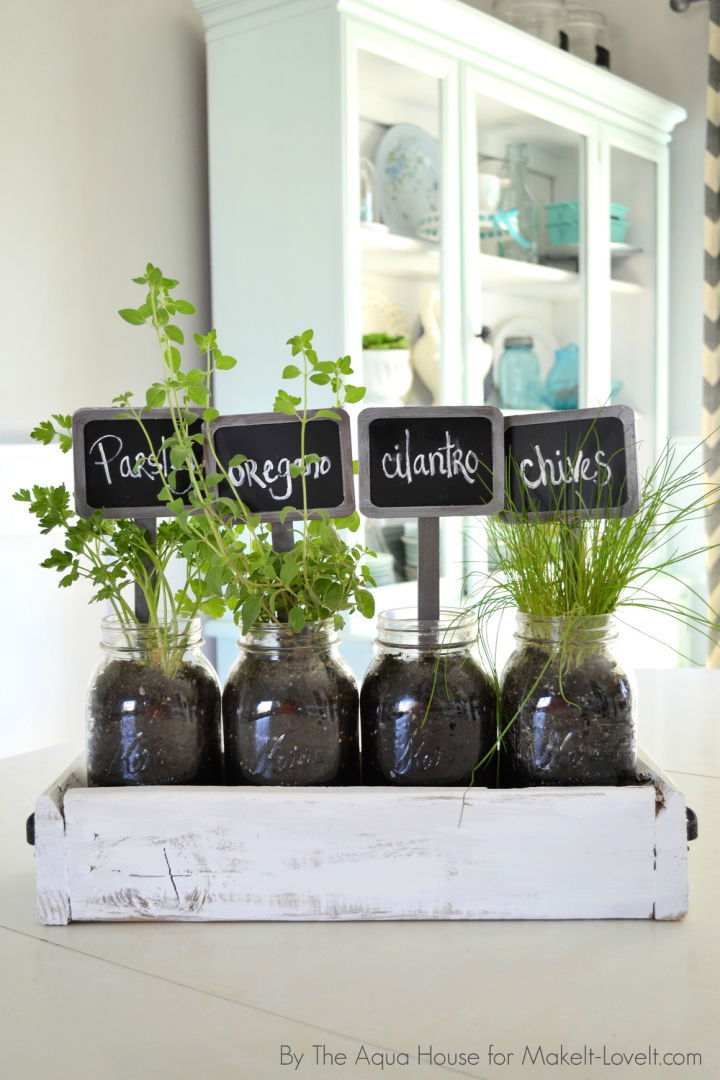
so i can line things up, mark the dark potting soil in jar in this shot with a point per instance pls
(145, 726)
(405, 742)
(578, 730)
(290, 711)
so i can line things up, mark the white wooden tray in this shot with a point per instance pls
(244, 853)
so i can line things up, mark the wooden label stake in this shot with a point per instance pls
(142, 613)
(429, 568)
(428, 464)
(283, 537)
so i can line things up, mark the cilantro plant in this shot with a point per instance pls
(324, 575)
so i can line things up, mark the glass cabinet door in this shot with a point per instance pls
(524, 228)
(406, 225)
(637, 346)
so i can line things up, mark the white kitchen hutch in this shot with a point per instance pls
(301, 91)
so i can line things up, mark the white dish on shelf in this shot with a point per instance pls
(407, 177)
(380, 313)
(545, 343)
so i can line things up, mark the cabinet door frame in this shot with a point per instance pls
(657, 154)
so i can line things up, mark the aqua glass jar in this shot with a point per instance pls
(519, 210)
(290, 709)
(153, 708)
(427, 708)
(563, 379)
(567, 704)
(519, 381)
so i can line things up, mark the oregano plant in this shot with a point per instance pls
(325, 574)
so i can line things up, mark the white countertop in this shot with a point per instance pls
(146, 1001)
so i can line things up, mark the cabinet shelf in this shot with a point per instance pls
(390, 255)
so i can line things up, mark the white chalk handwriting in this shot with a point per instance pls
(448, 460)
(275, 476)
(107, 454)
(542, 471)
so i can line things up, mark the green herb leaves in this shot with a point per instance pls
(229, 559)
(46, 432)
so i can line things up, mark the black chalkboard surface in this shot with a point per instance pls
(113, 472)
(430, 462)
(270, 443)
(580, 463)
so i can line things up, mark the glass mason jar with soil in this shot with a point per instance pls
(153, 708)
(290, 709)
(427, 709)
(567, 705)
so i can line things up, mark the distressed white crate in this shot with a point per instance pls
(245, 853)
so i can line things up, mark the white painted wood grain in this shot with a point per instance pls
(361, 853)
(52, 893)
(671, 846)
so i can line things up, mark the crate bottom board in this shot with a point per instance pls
(324, 854)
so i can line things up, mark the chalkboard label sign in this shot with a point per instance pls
(435, 462)
(114, 467)
(270, 445)
(580, 463)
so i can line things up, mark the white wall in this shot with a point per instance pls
(666, 53)
(102, 110)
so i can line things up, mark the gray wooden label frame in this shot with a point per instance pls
(432, 412)
(626, 416)
(347, 506)
(81, 418)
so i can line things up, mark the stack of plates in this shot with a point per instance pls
(382, 568)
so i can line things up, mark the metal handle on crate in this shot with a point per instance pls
(692, 824)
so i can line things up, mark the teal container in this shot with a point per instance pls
(569, 233)
(561, 384)
(563, 223)
(568, 213)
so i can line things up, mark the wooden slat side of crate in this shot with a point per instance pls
(52, 892)
(370, 853)
(671, 845)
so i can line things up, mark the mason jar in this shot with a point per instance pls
(519, 380)
(290, 709)
(587, 33)
(567, 707)
(427, 708)
(153, 707)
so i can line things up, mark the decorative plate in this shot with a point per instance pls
(407, 178)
